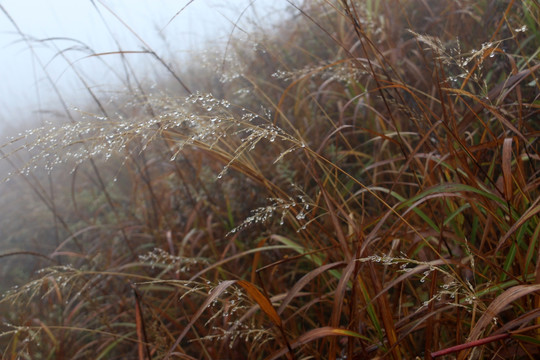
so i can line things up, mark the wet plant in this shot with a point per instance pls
(361, 182)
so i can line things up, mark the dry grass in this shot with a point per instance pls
(360, 183)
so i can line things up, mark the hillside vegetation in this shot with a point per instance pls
(358, 182)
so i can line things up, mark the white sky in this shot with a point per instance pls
(24, 87)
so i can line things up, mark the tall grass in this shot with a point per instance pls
(360, 182)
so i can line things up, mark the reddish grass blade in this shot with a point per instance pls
(142, 343)
(386, 315)
(338, 303)
(48, 331)
(262, 300)
(469, 345)
(31, 253)
(266, 306)
(314, 335)
(256, 259)
(507, 167)
(496, 337)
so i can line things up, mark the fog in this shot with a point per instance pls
(46, 46)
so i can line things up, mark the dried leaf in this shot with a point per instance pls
(262, 300)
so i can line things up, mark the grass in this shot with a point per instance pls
(360, 182)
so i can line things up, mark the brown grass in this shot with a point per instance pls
(361, 182)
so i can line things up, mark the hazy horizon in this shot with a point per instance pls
(59, 31)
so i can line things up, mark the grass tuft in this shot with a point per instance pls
(359, 182)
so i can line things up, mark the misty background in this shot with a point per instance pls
(47, 47)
